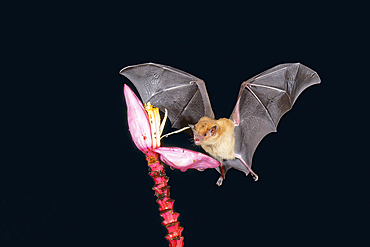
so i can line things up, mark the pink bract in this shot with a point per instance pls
(138, 121)
(184, 159)
(140, 130)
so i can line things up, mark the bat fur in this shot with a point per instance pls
(216, 137)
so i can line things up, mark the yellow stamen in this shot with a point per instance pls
(155, 122)
(156, 126)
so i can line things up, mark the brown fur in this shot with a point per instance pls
(221, 145)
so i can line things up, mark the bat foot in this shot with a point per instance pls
(255, 177)
(219, 181)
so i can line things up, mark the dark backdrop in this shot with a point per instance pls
(70, 174)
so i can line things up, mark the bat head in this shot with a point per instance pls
(204, 131)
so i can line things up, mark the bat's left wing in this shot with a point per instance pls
(183, 95)
(262, 101)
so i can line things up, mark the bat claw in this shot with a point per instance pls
(219, 181)
(255, 176)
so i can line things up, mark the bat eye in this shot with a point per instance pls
(205, 134)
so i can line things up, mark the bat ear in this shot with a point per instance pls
(212, 131)
(193, 130)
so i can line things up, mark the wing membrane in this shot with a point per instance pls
(182, 94)
(261, 103)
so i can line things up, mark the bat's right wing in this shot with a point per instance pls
(183, 95)
(262, 101)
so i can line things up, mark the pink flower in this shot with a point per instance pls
(145, 129)
(138, 121)
(184, 159)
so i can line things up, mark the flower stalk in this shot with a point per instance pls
(162, 191)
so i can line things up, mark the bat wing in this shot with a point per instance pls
(262, 101)
(183, 95)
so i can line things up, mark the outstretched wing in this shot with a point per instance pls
(262, 101)
(183, 95)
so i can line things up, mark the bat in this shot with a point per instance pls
(262, 101)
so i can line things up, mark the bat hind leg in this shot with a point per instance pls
(222, 177)
(254, 175)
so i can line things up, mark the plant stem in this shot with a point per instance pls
(162, 191)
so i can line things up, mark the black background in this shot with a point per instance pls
(70, 174)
